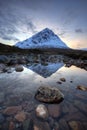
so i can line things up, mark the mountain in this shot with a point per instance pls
(45, 70)
(44, 39)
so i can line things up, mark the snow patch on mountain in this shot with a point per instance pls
(44, 39)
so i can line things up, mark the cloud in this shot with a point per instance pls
(79, 30)
(62, 33)
(14, 22)
(31, 27)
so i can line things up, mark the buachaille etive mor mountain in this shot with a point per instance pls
(44, 39)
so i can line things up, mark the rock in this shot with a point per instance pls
(74, 125)
(81, 87)
(2, 119)
(12, 110)
(12, 62)
(19, 68)
(51, 122)
(59, 82)
(63, 79)
(2, 96)
(63, 125)
(54, 110)
(56, 126)
(21, 116)
(21, 61)
(26, 124)
(85, 125)
(41, 126)
(2, 66)
(4, 59)
(41, 111)
(11, 126)
(49, 95)
(71, 81)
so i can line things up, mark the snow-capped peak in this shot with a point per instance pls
(44, 39)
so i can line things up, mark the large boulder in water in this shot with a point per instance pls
(49, 95)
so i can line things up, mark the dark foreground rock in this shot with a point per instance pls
(19, 68)
(49, 95)
(4, 59)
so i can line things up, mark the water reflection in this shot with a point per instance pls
(18, 88)
(47, 69)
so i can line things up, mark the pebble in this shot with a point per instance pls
(12, 110)
(41, 111)
(63, 79)
(21, 116)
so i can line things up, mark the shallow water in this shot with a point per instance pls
(71, 112)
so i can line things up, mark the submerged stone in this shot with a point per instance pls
(21, 116)
(41, 111)
(83, 88)
(49, 95)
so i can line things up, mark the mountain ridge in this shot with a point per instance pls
(43, 39)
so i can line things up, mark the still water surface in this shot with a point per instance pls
(73, 109)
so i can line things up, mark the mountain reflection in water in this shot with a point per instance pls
(46, 70)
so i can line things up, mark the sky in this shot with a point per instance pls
(20, 19)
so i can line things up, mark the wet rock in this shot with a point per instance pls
(63, 79)
(71, 81)
(19, 68)
(2, 96)
(21, 116)
(54, 110)
(41, 111)
(41, 126)
(2, 118)
(81, 87)
(21, 61)
(2, 66)
(56, 126)
(3, 59)
(59, 82)
(51, 122)
(26, 124)
(5, 126)
(12, 62)
(6, 69)
(11, 125)
(74, 125)
(85, 125)
(63, 125)
(49, 95)
(12, 110)
(10, 70)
